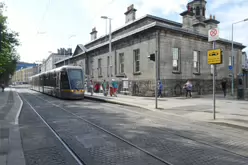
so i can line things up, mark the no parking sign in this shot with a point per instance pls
(213, 34)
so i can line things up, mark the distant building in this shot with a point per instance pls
(181, 50)
(22, 75)
(23, 65)
(49, 63)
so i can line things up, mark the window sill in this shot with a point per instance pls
(121, 75)
(137, 73)
(176, 72)
(196, 73)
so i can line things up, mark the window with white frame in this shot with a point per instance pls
(176, 59)
(196, 61)
(230, 61)
(92, 68)
(108, 63)
(121, 63)
(99, 67)
(136, 54)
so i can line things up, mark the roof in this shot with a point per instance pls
(82, 47)
(155, 18)
(58, 69)
(163, 23)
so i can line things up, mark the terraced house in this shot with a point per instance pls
(181, 48)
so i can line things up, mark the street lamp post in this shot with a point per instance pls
(110, 38)
(233, 55)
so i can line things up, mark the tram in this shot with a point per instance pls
(66, 82)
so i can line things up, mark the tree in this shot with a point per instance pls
(8, 44)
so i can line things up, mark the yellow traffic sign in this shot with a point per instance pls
(215, 56)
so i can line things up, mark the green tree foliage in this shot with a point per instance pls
(8, 43)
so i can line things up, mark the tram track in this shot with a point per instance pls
(122, 139)
(180, 135)
(173, 132)
(79, 160)
(66, 146)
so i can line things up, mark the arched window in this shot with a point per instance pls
(197, 10)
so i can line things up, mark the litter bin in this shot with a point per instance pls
(240, 90)
(240, 94)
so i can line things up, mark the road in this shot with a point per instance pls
(71, 132)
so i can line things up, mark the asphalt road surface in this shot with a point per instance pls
(55, 131)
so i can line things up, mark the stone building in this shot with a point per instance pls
(22, 76)
(49, 63)
(181, 49)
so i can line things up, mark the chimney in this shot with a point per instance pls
(211, 23)
(93, 34)
(130, 14)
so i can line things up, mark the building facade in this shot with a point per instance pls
(181, 50)
(23, 65)
(49, 63)
(22, 76)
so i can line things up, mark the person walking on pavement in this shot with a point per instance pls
(104, 88)
(111, 89)
(91, 87)
(188, 87)
(115, 87)
(223, 85)
(160, 88)
(2, 86)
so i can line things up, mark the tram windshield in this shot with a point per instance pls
(76, 78)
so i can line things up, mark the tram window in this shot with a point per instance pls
(54, 79)
(50, 79)
(64, 81)
(76, 78)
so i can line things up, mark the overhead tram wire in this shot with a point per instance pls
(103, 8)
(43, 16)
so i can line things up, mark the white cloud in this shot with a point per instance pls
(36, 48)
(116, 9)
(219, 3)
(234, 14)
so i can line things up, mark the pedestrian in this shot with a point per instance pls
(115, 87)
(160, 88)
(188, 86)
(2, 86)
(91, 87)
(223, 85)
(104, 88)
(111, 89)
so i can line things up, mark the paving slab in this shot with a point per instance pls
(11, 152)
(232, 112)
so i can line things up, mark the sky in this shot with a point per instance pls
(46, 25)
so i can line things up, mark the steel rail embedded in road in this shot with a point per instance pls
(99, 127)
(185, 137)
(78, 160)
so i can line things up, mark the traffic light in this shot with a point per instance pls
(152, 57)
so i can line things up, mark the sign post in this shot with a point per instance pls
(214, 57)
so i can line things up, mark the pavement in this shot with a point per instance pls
(11, 152)
(229, 111)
